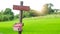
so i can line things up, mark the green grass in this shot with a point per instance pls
(36, 25)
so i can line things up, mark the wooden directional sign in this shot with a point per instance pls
(16, 7)
(21, 8)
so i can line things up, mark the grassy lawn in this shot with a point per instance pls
(36, 25)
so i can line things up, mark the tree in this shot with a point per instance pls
(33, 13)
(50, 5)
(6, 15)
(26, 14)
(9, 12)
(16, 16)
(1, 15)
(44, 9)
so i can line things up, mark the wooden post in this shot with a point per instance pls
(21, 12)
(21, 16)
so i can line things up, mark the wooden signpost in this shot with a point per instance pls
(21, 8)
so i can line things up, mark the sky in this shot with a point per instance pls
(34, 4)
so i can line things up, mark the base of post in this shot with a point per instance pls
(20, 32)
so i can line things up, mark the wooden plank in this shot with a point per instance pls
(25, 8)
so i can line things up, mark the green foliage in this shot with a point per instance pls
(1, 15)
(0, 18)
(6, 15)
(51, 11)
(16, 16)
(26, 14)
(7, 11)
(32, 13)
